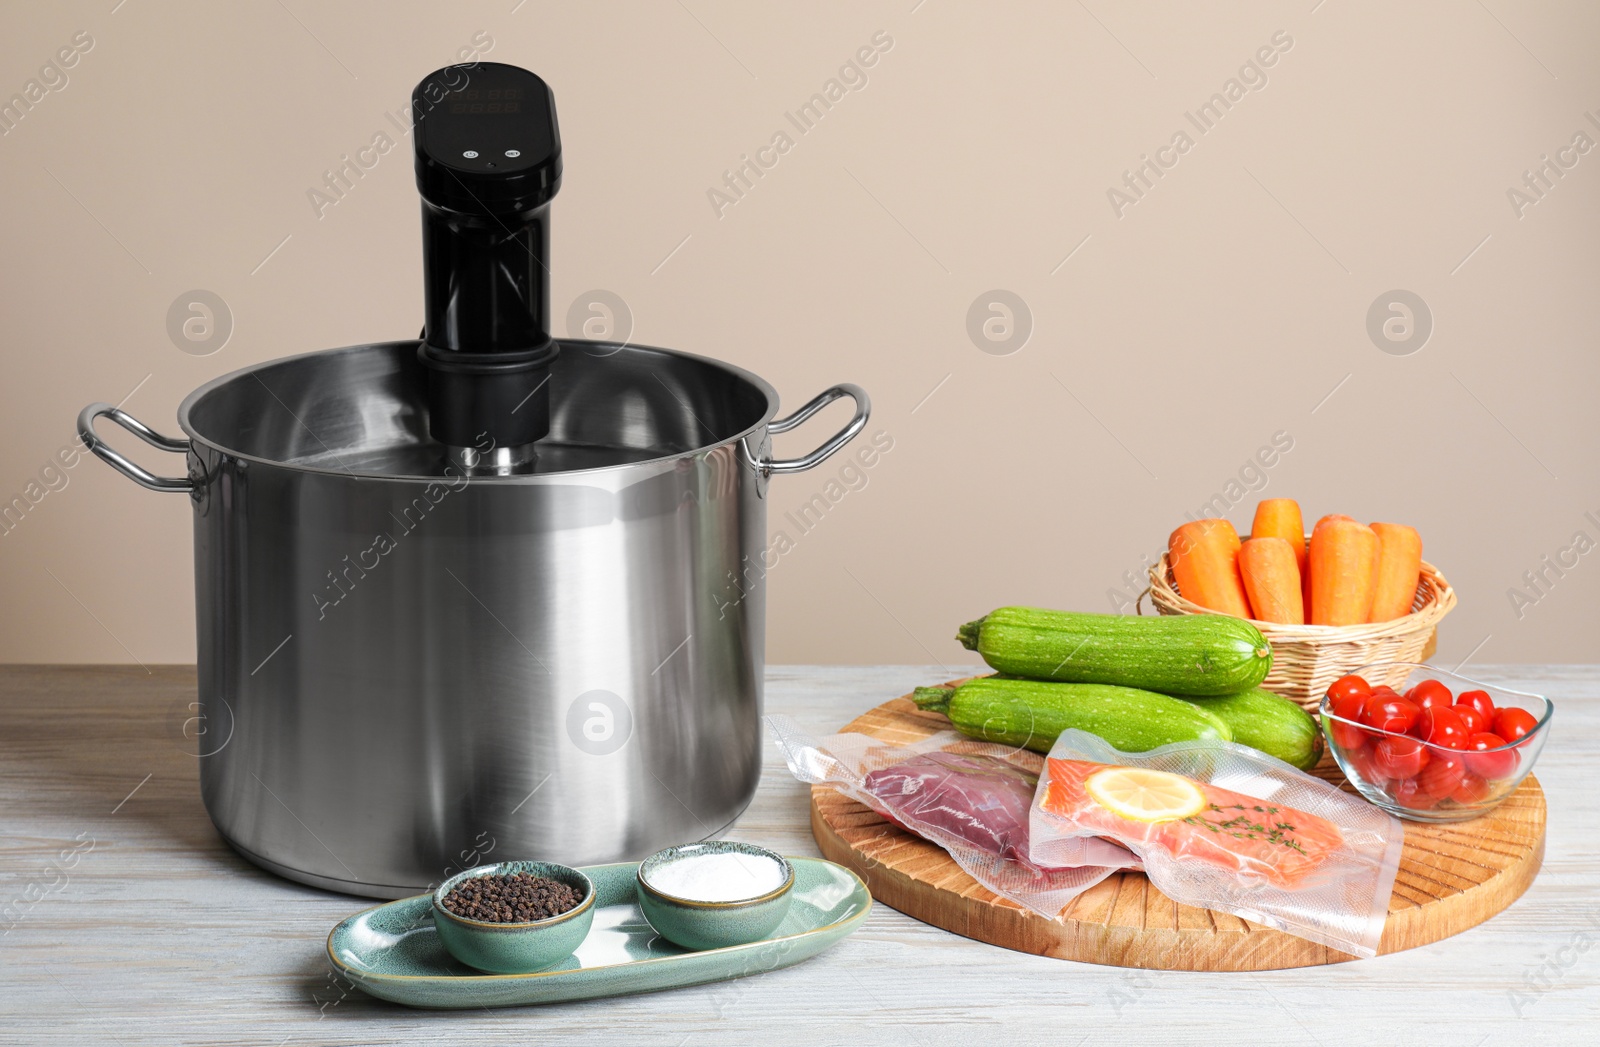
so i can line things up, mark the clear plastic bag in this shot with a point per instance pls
(1250, 835)
(971, 798)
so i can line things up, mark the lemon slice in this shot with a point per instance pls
(1143, 795)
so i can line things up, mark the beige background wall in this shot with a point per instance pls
(1168, 343)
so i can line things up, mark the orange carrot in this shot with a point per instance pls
(1272, 580)
(1344, 554)
(1306, 579)
(1205, 562)
(1280, 518)
(1399, 567)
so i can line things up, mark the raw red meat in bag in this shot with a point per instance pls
(974, 799)
(980, 799)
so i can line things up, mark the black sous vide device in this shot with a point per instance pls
(488, 159)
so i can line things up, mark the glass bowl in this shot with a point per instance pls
(1441, 784)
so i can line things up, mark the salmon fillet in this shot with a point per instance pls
(1281, 845)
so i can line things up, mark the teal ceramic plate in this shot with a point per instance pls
(393, 952)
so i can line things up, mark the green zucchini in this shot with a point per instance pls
(1198, 655)
(1263, 720)
(1031, 713)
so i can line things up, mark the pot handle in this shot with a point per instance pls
(836, 441)
(139, 475)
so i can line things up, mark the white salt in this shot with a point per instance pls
(722, 876)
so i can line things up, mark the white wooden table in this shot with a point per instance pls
(162, 935)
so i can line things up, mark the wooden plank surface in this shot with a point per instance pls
(161, 935)
(1451, 877)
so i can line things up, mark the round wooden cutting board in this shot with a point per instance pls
(1451, 877)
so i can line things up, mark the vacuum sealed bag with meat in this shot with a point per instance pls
(970, 798)
(1223, 826)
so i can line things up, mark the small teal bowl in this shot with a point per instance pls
(712, 925)
(515, 948)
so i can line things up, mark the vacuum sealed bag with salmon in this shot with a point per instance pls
(1225, 827)
(970, 798)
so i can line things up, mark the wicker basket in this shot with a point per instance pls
(1307, 658)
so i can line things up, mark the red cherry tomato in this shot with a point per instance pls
(1491, 765)
(1384, 688)
(1349, 686)
(1514, 724)
(1472, 789)
(1480, 701)
(1361, 767)
(1389, 714)
(1399, 757)
(1347, 736)
(1442, 774)
(1442, 726)
(1428, 694)
(1474, 721)
(1346, 706)
(1410, 794)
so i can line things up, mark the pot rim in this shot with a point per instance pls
(189, 402)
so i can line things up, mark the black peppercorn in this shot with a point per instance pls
(513, 898)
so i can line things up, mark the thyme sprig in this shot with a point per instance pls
(1244, 827)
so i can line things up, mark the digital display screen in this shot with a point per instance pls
(488, 117)
(487, 100)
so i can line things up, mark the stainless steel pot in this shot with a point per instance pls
(404, 669)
